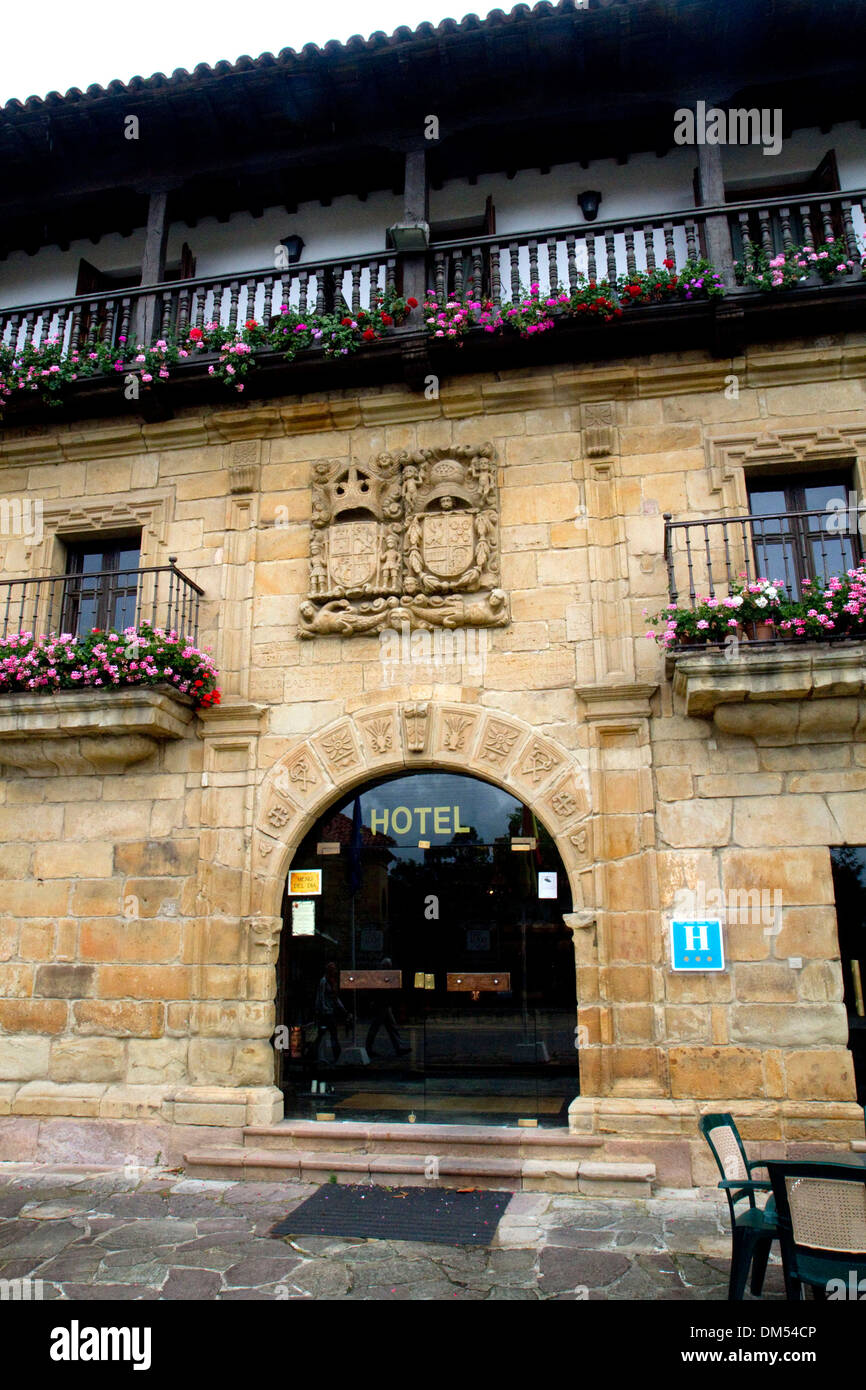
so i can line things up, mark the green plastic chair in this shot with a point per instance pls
(821, 1209)
(753, 1228)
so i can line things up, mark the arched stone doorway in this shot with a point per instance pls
(375, 741)
(425, 913)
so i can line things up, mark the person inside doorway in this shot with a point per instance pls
(329, 1009)
(383, 1017)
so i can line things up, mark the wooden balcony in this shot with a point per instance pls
(495, 268)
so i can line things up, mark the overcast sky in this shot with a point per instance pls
(52, 45)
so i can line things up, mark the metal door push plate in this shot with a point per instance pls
(371, 979)
(473, 983)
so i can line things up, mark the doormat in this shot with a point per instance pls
(440, 1216)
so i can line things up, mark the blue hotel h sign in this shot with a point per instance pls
(697, 946)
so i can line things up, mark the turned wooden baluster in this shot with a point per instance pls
(477, 272)
(785, 222)
(552, 266)
(590, 256)
(28, 324)
(268, 303)
(745, 233)
(457, 257)
(808, 229)
(571, 259)
(234, 316)
(391, 276)
(183, 308)
(439, 276)
(649, 232)
(514, 254)
(374, 284)
(670, 253)
(630, 262)
(125, 311)
(356, 287)
(610, 255)
(827, 222)
(533, 261)
(110, 319)
(338, 275)
(691, 240)
(766, 233)
(495, 275)
(76, 328)
(214, 314)
(303, 293)
(850, 234)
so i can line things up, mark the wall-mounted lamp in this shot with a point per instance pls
(294, 246)
(409, 236)
(588, 202)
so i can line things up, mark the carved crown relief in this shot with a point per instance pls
(405, 538)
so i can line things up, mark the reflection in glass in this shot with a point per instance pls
(427, 884)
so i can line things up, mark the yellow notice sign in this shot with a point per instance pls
(307, 881)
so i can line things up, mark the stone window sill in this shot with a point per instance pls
(89, 731)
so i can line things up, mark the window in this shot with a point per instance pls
(801, 529)
(102, 586)
(801, 221)
(91, 280)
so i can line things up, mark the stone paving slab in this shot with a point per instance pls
(156, 1234)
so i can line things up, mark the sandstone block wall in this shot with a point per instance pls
(138, 929)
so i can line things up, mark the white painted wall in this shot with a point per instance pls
(530, 201)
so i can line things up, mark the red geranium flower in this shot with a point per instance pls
(633, 290)
(387, 320)
(412, 302)
(251, 323)
(368, 333)
(196, 334)
(668, 262)
(347, 323)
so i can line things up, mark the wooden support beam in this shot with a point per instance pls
(153, 261)
(713, 194)
(416, 208)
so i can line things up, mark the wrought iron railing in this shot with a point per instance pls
(706, 557)
(79, 603)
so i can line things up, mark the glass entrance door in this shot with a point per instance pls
(432, 977)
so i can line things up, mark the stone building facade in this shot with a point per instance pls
(145, 848)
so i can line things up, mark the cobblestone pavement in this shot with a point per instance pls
(156, 1235)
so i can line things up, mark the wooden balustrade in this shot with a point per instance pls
(494, 267)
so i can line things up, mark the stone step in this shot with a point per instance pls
(576, 1175)
(353, 1136)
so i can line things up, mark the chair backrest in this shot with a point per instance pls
(723, 1137)
(824, 1205)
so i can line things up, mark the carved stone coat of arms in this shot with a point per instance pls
(407, 538)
